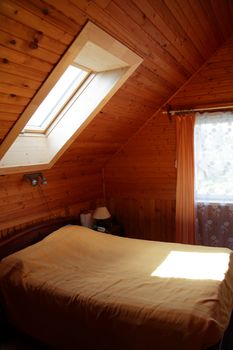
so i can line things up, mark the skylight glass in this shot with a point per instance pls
(65, 87)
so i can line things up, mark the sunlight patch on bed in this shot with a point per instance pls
(194, 265)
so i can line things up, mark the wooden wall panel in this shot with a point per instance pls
(70, 188)
(151, 219)
(212, 86)
(140, 182)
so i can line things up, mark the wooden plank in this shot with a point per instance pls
(16, 90)
(22, 71)
(204, 23)
(8, 116)
(145, 219)
(191, 25)
(13, 100)
(169, 63)
(23, 59)
(214, 99)
(210, 90)
(47, 192)
(187, 52)
(23, 46)
(24, 32)
(70, 10)
(18, 81)
(162, 75)
(151, 85)
(4, 130)
(39, 217)
(17, 13)
(49, 14)
(223, 16)
(178, 23)
(146, 70)
(102, 3)
(42, 206)
(13, 108)
(216, 29)
(6, 124)
(146, 20)
(127, 101)
(137, 89)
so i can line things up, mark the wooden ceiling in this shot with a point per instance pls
(174, 37)
(212, 85)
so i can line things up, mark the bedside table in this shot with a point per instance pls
(113, 228)
(4, 328)
(117, 230)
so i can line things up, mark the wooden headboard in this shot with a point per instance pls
(33, 234)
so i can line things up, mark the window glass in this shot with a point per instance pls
(65, 87)
(214, 157)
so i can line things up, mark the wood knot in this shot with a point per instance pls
(5, 61)
(13, 42)
(34, 44)
(37, 37)
(45, 11)
(12, 95)
(39, 32)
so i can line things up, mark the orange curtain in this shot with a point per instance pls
(185, 209)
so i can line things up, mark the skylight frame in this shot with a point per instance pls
(112, 63)
(54, 117)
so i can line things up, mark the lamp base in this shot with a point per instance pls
(102, 225)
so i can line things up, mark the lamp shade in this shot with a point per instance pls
(101, 213)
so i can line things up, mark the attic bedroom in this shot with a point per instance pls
(135, 143)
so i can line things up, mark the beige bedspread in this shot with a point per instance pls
(80, 289)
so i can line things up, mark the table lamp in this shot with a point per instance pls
(102, 220)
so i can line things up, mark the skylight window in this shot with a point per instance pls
(67, 101)
(57, 98)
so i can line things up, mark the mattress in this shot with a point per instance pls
(78, 288)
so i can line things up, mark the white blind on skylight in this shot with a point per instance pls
(65, 87)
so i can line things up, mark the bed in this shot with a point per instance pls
(81, 289)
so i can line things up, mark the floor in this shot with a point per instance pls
(20, 342)
(16, 342)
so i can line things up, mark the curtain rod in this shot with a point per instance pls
(173, 112)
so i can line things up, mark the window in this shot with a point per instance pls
(214, 157)
(53, 103)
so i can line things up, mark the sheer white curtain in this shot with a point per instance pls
(214, 178)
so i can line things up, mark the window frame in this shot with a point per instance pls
(53, 121)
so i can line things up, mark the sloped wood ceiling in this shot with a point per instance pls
(212, 85)
(174, 38)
